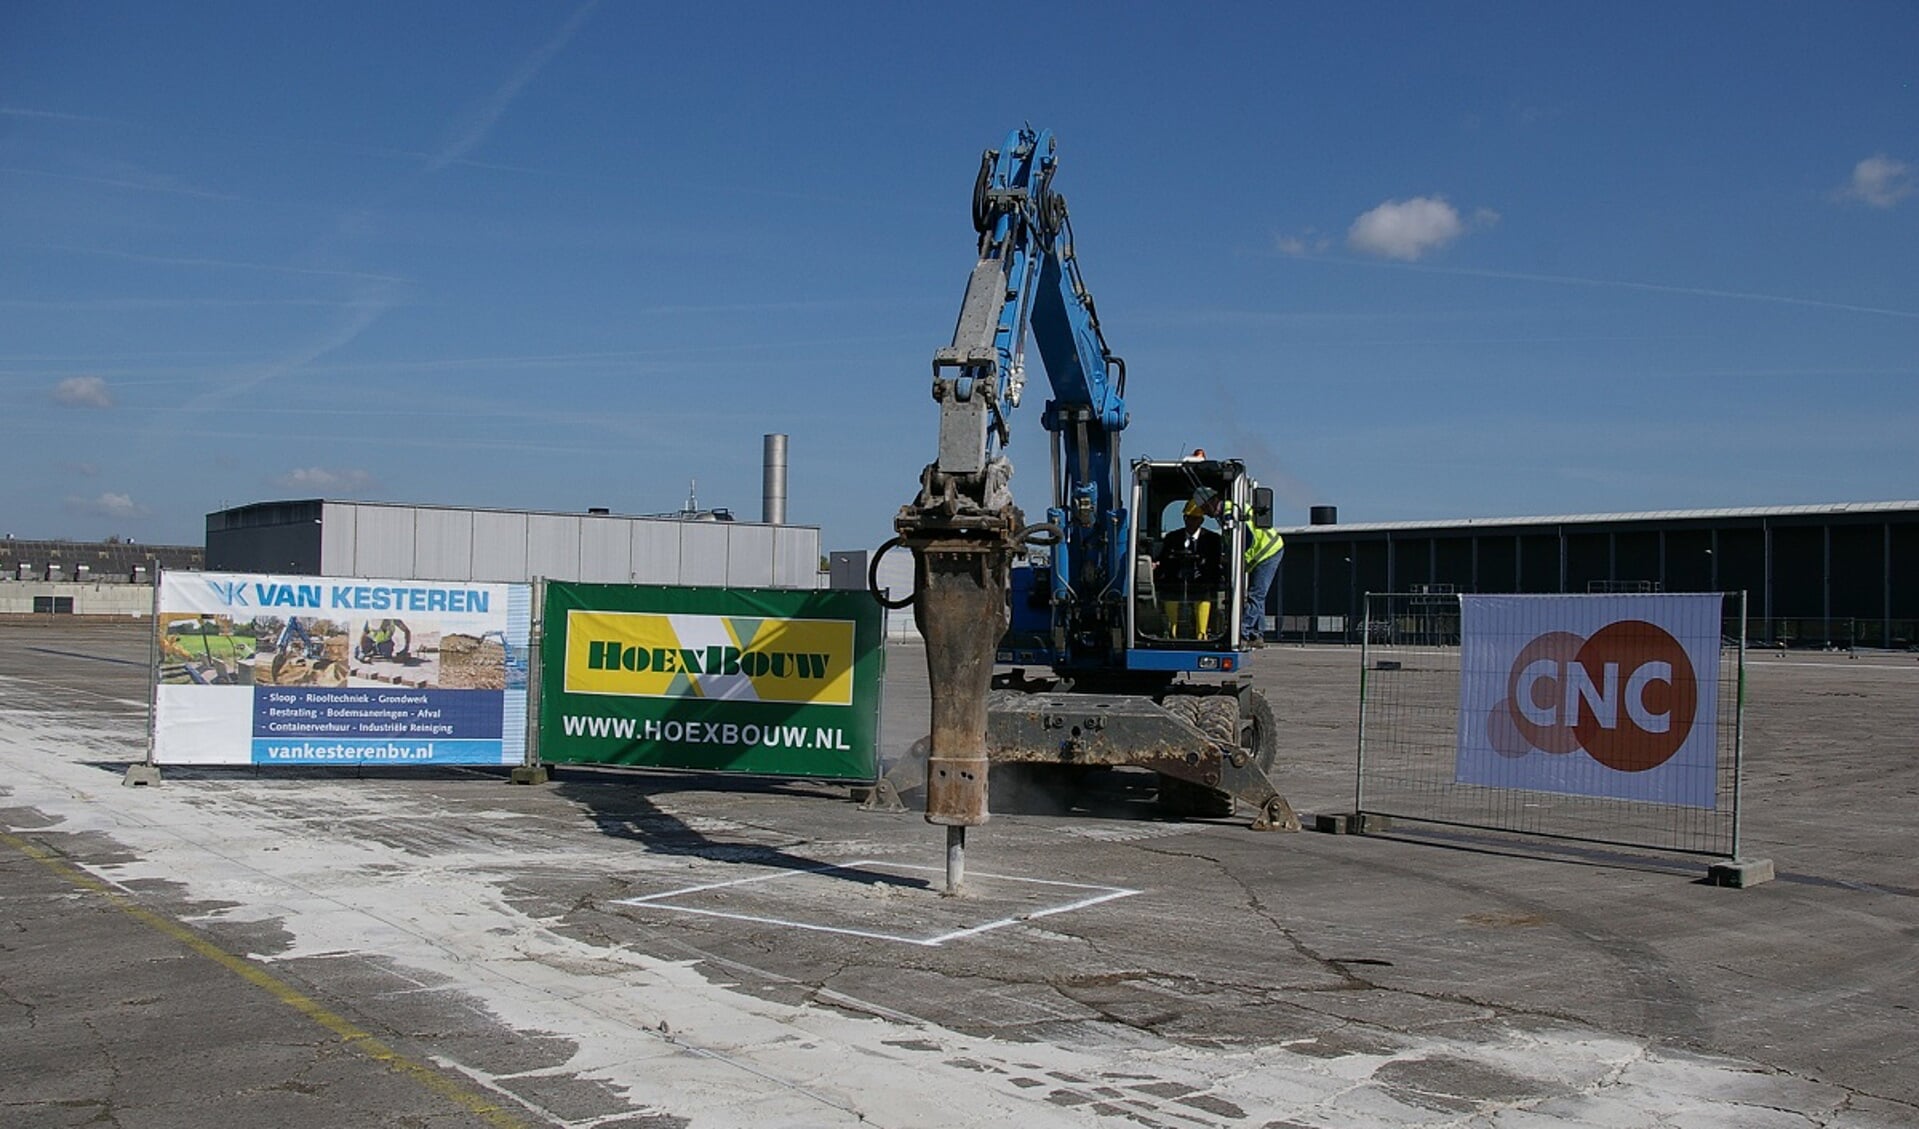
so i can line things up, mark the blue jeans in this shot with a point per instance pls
(1259, 582)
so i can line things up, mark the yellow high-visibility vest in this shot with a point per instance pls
(1261, 544)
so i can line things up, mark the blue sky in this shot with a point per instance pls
(1419, 262)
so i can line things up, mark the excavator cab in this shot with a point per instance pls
(1188, 583)
(1189, 575)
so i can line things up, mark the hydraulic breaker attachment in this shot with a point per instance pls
(961, 610)
(964, 531)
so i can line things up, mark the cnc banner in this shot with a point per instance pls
(1612, 696)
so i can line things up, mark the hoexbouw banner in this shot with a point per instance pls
(756, 680)
(1613, 696)
(302, 670)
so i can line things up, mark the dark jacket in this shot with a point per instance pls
(1189, 565)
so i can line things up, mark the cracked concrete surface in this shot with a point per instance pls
(477, 929)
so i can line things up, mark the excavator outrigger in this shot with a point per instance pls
(1126, 689)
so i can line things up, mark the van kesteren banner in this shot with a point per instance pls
(302, 670)
(1613, 696)
(755, 680)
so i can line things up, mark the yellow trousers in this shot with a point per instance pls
(1202, 616)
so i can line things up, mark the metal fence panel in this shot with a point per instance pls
(1413, 765)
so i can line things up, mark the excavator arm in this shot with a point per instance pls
(964, 529)
(1027, 282)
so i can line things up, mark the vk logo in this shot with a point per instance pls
(230, 592)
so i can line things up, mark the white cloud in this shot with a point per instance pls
(83, 392)
(1879, 180)
(1307, 242)
(325, 480)
(107, 504)
(1408, 229)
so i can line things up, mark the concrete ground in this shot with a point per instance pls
(330, 948)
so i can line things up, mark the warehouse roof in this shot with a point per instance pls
(102, 557)
(1823, 510)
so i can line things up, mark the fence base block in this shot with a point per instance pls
(530, 774)
(1340, 824)
(138, 774)
(1740, 873)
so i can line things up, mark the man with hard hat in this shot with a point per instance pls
(1188, 571)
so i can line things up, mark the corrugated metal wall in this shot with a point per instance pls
(796, 557)
(435, 543)
(499, 546)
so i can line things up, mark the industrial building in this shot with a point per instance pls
(316, 537)
(102, 578)
(102, 562)
(1839, 575)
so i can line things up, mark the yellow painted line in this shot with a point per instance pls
(351, 1034)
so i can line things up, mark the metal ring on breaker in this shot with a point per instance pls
(873, 578)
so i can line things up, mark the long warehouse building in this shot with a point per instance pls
(1839, 575)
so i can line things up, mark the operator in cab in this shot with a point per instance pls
(1188, 571)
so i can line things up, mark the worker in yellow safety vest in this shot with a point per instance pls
(1264, 549)
(377, 640)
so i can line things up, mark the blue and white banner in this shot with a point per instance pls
(266, 669)
(1614, 696)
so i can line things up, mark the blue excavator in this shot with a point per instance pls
(1141, 649)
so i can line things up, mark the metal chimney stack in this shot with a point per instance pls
(773, 482)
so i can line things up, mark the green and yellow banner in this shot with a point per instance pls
(753, 680)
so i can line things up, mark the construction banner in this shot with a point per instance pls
(1607, 695)
(303, 670)
(766, 681)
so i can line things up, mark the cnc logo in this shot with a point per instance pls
(1627, 696)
